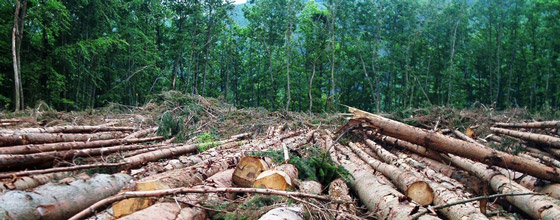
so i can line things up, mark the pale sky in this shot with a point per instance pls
(239, 1)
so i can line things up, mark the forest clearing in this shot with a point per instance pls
(190, 157)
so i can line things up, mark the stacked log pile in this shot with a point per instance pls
(377, 168)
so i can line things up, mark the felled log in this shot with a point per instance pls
(28, 182)
(59, 201)
(248, 169)
(545, 158)
(282, 213)
(538, 138)
(413, 186)
(40, 138)
(541, 124)
(37, 148)
(167, 211)
(536, 206)
(26, 159)
(58, 169)
(142, 133)
(408, 146)
(441, 194)
(375, 191)
(469, 150)
(533, 183)
(339, 190)
(310, 186)
(183, 190)
(69, 129)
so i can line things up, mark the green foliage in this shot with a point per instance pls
(171, 126)
(251, 209)
(315, 165)
(208, 138)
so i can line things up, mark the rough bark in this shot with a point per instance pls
(443, 143)
(409, 146)
(538, 138)
(37, 148)
(41, 138)
(282, 213)
(58, 169)
(59, 201)
(415, 188)
(541, 124)
(373, 190)
(533, 183)
(537, 206)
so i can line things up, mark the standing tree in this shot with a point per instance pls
(17, 35)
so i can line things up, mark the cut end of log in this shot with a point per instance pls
(273, 179)
(421, 193)
(129, 206)
(247, 170)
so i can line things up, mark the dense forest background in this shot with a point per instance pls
(378, 55)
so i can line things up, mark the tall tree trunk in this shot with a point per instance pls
(288, 39)
(449, 87)
(333, 36)
(310, 88)
(17, 36)
(365, 71)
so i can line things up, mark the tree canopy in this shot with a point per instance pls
(377, 55)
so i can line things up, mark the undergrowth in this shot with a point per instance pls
(312, 164)
(253, 208)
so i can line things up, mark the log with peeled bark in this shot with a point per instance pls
(414, 187)
(249, 168)
(59, 201)
(536, 206)
(41, 138)
(310, 186)
(374, 190)
(37, 148)
(282, 213)
(26, 182)
(440, 142)
(541, 124)
(167, 211)
(532, 183)
(69, 129)
(547, 140)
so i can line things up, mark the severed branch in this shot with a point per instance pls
(417, 215)
(125, 195)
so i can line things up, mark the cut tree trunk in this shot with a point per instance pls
(142, 133)
(339, 190)
(282, 213)
(376, 192)
(37, 148)
(310, 186)
(443, 143)
(536, 206)
(24, 183)
(541, 124)
(408, 146)
(69, 129)
(41, 138)
(538, 138)
(441, 194)
(27, 159)
(533, 183)
(413, 186)
(248, 169)
(273, 179)
(59, 201)
(167, 211)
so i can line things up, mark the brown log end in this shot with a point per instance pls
(273, 179)
(311, 186)
(248, 169)
(129, 206)
(421, 193)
